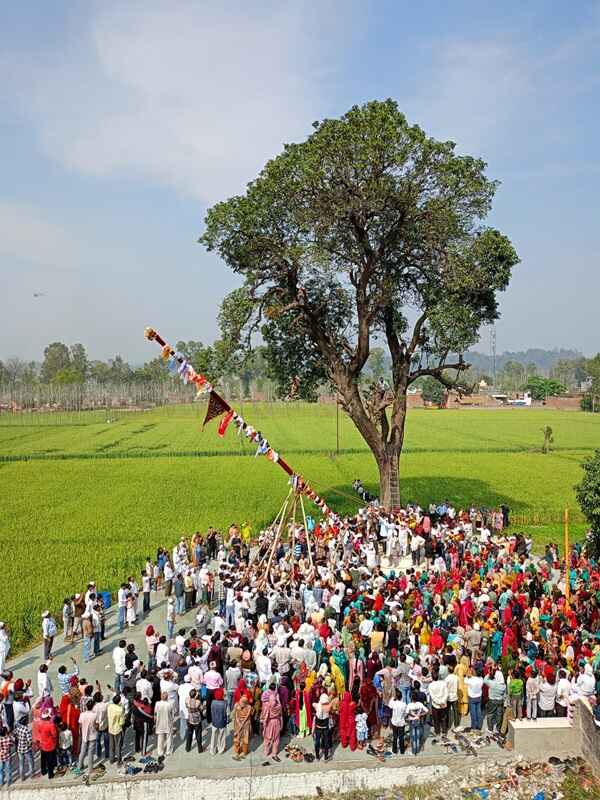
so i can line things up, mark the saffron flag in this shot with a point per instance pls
(216, 407)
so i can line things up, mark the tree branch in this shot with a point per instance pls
(416, 337)
(437, 372)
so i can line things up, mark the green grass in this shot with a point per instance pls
(83, 499)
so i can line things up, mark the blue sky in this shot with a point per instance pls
(120, 122)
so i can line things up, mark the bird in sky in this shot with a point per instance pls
(39, 294)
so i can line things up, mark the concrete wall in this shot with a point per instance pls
(589, 734)
(547, 736)
(570, 403)
(282, 784)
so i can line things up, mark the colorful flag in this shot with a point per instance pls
(216, 407)
(225, 423)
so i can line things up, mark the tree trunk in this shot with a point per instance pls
(389, 484)
(384, 440)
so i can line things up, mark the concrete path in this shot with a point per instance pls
(181, 763)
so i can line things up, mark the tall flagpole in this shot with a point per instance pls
(298, 482)
(567, 561)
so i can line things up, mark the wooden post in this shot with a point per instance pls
(567, 561)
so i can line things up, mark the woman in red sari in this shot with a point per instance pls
(69, 713)
(348, 721)
(368, 700)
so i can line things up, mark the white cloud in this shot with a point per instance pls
(193, 96)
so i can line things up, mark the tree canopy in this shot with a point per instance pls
(368, 231)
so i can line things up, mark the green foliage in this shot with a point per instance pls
(79, 361)
(592, 368)
(68, 375)
(377, 364)
(588, 497)
(119, 370)
(341, 238)
(151, 372)
(432, 390)
(56, 358)
(99, 372)
(590, 402)
(513, 376)
(571, 372)
(541, 388)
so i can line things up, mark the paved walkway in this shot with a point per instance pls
(181, 763)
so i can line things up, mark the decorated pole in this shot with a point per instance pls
(219, 407)
(567, 562)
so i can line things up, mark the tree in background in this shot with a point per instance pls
(512, 376)
(344, 238)
(377, 364)
(432, 391)
(541, 388)
(588, 497)
(570, 372)
(531, 370)
(119, 370)
(16, 371)
(99, 372)
(79, 361)
(151, 372)
(68, 375)
(56, 358)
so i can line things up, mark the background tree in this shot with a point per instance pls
(370, 216)
(432, 390)
(588, 497)
(541, 388)
(79, 361)
(592, 368)
(151, 372)
(56, 358)
(14, 370)
(99, 372)
(513, 376)
(376, 363)
(531, 370)
(119, 370)
(69, 375)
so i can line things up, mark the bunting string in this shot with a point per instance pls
(219, 407)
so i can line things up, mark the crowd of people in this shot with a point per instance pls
(430, 619)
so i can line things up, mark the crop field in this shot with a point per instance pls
(84, 498)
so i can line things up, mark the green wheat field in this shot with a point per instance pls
(84, 498)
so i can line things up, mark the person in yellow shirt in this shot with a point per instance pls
(246, 532)
(116, 724)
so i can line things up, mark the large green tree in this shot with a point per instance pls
(588, 497)
(56, 358)
(367, 230)
(79, 361)
(541, 388)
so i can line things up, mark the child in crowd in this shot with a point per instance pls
(532, 688)
(362, 728)
(65, 745)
